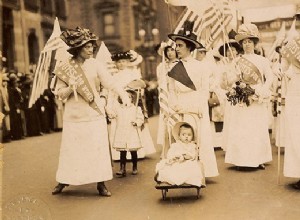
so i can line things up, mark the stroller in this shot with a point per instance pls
(186, 173)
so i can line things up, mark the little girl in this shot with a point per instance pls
(181, 165)
(129, 120)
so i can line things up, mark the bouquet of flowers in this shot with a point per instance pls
(240, 93)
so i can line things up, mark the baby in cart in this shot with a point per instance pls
(181, 165)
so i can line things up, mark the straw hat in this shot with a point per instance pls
(247, 31)
(202, 49)
(135, 58)
(176, 127)
(186, 33)
(77, 38)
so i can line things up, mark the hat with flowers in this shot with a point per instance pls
(121, 56)
(247, 31)
(77, 37)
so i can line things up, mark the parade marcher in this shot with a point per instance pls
(84, 155)
(292, 103)
(189, 91)
(15, 103)
(181, 164)
(33, 124)
(248, 144)
(6, 135)
(230, 51)
(129, 120)
(169, 59)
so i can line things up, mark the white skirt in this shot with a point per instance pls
(248, 142)
(84, 154)
(292, 141)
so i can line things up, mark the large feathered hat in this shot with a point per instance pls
(186, 33)
(247, 31)
(231, 43)
(77, 38)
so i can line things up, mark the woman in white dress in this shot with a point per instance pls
(229, 51)
(84, 154)
(292, 113)
(248, 144)
(189, 91)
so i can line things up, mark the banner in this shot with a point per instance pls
(71, 69)
(291, 51)
(249, 72)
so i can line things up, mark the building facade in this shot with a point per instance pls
(26, 26)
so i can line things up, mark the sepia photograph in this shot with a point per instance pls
(149, 109)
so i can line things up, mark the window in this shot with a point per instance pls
(60, 8)
(46, 7)
(109, 24)
(33, 47)
(31, 5)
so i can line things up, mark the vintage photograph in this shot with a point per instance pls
(150, 109)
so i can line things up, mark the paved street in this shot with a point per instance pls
(30, 166)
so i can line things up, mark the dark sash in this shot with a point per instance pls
(71, 69)
(291, 51)
(249, 72)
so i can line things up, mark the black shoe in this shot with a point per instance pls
(261, 166)
(296, 185)
(103, 190)
(58, 189)
(134, 172)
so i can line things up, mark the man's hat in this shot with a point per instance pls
(186, 33)
(77, 38)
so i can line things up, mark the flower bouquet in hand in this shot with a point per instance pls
(240, 93)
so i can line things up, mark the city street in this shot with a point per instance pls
(29, 172)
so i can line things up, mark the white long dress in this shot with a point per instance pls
(248, 144)
(292, 134)
(84, 154)
(123, 77)
(188, 100)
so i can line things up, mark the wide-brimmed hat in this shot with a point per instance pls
(230, 43)
(77, 37)
(247, 31)
(202, 49)
(186, 33)
(176, 127)
(121, 56)
(135, 58)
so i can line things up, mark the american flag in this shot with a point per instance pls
(46, 64)
(210, 22)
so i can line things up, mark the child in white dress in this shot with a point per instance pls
(129, 119)
(181, 165)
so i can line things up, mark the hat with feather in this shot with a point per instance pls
(186, 33)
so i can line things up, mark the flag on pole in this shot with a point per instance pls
(47, 61)
(278, 42)
(104, 57)
(211, 18)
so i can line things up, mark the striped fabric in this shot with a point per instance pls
(211, 24)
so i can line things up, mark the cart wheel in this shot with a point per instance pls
(198, 193)
(164, 194)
